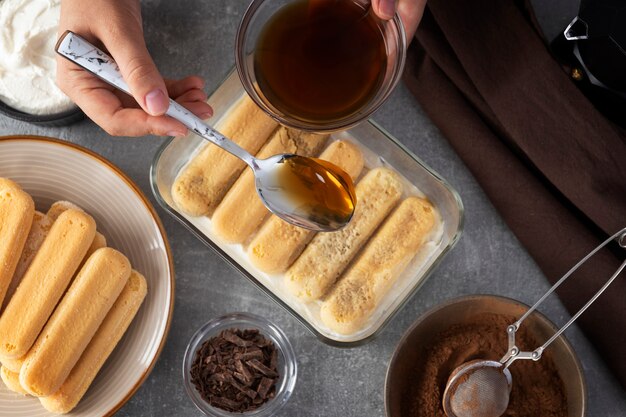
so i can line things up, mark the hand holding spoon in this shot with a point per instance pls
(307, 192)
(481, 388)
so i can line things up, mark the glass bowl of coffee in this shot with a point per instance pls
(319, 65)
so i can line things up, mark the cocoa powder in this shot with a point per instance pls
(537, 388)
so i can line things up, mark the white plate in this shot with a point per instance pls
(52, 170)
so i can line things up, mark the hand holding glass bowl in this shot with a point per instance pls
(98, 24)
(319, 65)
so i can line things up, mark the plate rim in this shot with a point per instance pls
(170, 260)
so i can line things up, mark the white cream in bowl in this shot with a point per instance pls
(28, 32)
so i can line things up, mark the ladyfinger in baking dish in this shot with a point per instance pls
(203, 183)
(325, 258)
(273, 259)
(351, 302)
(242, 198)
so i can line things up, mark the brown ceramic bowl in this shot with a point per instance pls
(461, 310)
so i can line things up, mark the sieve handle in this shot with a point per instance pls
(514, 352)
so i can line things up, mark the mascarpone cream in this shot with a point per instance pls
(28, 32)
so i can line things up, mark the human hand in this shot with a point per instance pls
(410, 11)
(116, 26)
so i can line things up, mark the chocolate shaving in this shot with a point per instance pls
(245, 373)
(252, 354)
(250, 393)
(236, 340)
(274, 360)
(236, 370)
(264, 386)
(225, 403)
(261, 368)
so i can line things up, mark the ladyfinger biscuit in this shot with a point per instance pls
(58, 207)
(241, 211)
(13, 364)
(263, 251)
(38, 231)
(17, 210)
(100, 347)
(99, 242)
(352, 301)
(74, 322)
(200, 187)
(7, 183)
(45, 282)
(12, 380)
(325, 258)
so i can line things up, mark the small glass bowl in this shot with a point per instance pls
(251, 26)
(287, 365)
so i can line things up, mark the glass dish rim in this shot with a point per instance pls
(332, 342)
(269, 328)
(342, 124)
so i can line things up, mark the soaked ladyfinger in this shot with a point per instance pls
(263, 251)
(241, 211)
(325, 258)
(202, 184)
(356, 295)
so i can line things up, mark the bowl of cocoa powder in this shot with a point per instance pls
(474, 327)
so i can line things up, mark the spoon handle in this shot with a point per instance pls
(90, 58)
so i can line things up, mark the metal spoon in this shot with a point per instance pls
(481, 388)
(307, 192)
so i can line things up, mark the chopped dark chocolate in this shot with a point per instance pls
(254, 363)
(236, 340)
(236, 370)
(247, 376)
(252, 354)
(274, 360)
(264, 386)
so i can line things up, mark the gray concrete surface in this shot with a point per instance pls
(193, 36)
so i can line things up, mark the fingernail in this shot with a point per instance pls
(207, 115)
(176, 133)
(387, 8)
(156, 102)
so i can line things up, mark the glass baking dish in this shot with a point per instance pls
(379, 149)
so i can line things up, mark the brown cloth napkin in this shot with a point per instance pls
(552, 165)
